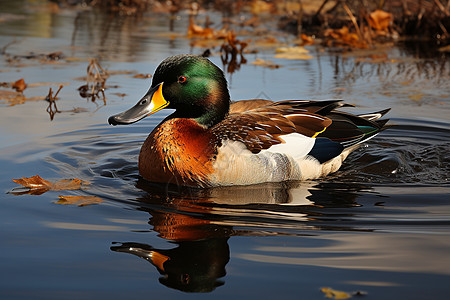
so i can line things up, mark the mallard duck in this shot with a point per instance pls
(211, 141)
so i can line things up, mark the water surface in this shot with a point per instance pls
(380, 225)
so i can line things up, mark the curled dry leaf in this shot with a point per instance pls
(78, 200)
(36, 185)
(307, 40)
(380, 20)
(19, 85)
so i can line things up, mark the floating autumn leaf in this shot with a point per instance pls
(416, 97)
(292, 53)
(265, 63)
(260, 7)
(36, 185)
(195, 30)
(307, 40)
(343, 37)
(380, 20)
(334, 294)
(142, 76)
(78, 200)
(19, 85)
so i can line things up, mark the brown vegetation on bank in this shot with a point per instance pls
(353, 23)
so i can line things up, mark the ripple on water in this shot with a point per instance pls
(402, 156)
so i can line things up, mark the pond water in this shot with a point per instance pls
(380, 226)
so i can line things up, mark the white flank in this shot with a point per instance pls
(236, 165)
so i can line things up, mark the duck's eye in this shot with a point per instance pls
(144, 101)
(182, 79)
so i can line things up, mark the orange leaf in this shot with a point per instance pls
(265, 63)
(380, 20)
(195, 30)
(19, 85)
(307, 40)
(33, 182)
(343, 36)
(68, 184)
(36, 185)
(335, 294)
(143, 76)
(78, 200)
(292, 53)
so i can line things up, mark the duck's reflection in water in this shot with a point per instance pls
(192, 266)
(200, 222)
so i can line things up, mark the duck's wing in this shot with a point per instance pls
(349, 130)
(345, 128)
(261, 127)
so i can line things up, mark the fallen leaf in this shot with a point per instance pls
(380, 20)
(36, 185)
(142, 76)
(298, 49)
(265, 63)
(19, 85)
(292, 53)
(307, 40)
(334, 294)
(78, 200)
(68, 184)
(293, 56)
(195, 30)
(260, 7)
(416, 97)
(343, 37)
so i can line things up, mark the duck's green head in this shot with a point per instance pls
(190, 84)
